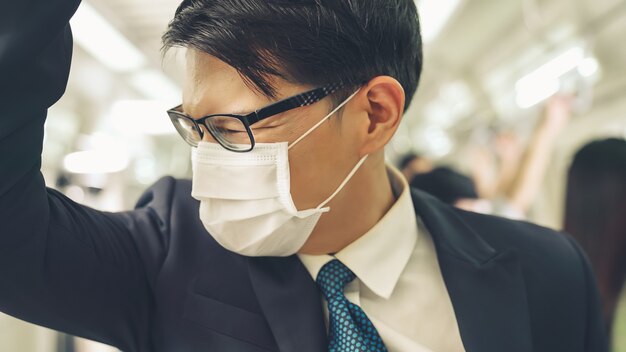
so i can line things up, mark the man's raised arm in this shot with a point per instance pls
(62, 265)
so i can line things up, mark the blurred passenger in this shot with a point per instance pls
(595, 214)
(453, 188)
(412, 164)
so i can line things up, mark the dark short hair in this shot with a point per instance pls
(595, 210)
(446, 184)
(309, 42)
(407, 159)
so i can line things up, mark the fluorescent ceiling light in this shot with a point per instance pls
(543, 82)
(553, 69)
(95, 162)
(100, 39)
(588, 67)
(533, 94)
(434, 14)
(141, 117)
(100, 154)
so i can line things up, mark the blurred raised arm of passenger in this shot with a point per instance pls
(518, 189)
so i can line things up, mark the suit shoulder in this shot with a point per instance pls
(166, 195)
(507, 226)
(164, 191)
(536, 246)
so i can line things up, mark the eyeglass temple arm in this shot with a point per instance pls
(304, 99)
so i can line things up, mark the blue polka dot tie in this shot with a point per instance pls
(350, 329)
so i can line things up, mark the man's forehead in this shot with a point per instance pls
(213, 86)
(202, 67)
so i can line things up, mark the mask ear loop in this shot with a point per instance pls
(322, 120)
(343, 184)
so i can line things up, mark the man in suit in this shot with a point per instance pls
(293, 235)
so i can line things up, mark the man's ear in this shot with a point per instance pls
(383, 100)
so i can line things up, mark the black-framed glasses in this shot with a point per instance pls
(233, 131)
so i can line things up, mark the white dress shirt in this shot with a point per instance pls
(399, 283)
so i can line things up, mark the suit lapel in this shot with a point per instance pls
(291, 303)
(486, 286)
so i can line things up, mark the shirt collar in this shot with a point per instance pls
(379, 257)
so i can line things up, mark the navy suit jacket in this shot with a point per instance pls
(152, 279)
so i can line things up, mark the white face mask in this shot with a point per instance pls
(245, 198)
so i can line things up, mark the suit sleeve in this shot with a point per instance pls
(596, 337)
(63, 265)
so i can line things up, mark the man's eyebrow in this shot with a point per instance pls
(242, 111)
(236, 112)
